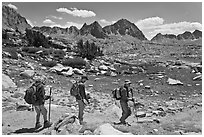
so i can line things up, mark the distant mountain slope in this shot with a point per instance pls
(124, 27)
(184, 36)
(57, 30)
(13, 20)
(159, 37)
(197, 34)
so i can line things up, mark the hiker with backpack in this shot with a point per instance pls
(124, 94)
(35, 95)
(78, 91)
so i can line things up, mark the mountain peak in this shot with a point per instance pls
(124, 27)
(197, 34)
(84, 25)
(94, 29)
(95, 22)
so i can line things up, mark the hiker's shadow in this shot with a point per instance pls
(28, 130)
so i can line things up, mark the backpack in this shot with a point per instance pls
(30, 95)
(74, 91)
(116, 93)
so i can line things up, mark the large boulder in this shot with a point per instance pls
(59, 68)
(78, 71)
(113, 110)
(107, 129)
(27, 73)
(103, 67)
(199, 77)
(69, 73)
(171, 81)
(7, 83)
(140, 114)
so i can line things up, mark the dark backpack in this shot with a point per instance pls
(30, 95)
(74, 91)
(116, 93)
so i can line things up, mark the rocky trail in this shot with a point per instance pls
(172, 100)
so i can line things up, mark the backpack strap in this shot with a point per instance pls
(131, 92)
(34, 88)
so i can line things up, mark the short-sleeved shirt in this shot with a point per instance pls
(126, 93)
(81, 91)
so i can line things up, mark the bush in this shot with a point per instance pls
(88, 50)
(4, 35)
(59, 54)
(74, 62)
(25, 49)
(57, 46)
(36, 38)
(49, 63)
(13, 52)
(47, 52)
(31, 50)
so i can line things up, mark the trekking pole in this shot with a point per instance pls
(50, 104)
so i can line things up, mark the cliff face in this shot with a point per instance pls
(13, 20)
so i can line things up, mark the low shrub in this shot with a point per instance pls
(13, 52)
(49, 63)
(31, 50)
(74, 62)
(46, 52)
(25, 49)
(59, 54)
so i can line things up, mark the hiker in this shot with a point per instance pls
(82, 98)
(39, 103)
(126, 95)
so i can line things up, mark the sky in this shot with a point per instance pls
(150, 17)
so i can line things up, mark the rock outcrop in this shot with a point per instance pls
(13, 20)
(7, 83)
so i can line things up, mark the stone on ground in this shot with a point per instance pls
(7, 83)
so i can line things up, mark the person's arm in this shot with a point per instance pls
(83, 93)
(131, 95)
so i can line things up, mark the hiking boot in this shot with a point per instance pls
(122, 123)
(38, 125)
(119, 123)
(127, 124)
(82, 122)
(47, 124)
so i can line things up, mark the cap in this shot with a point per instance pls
(127, 81)
(84, 77)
